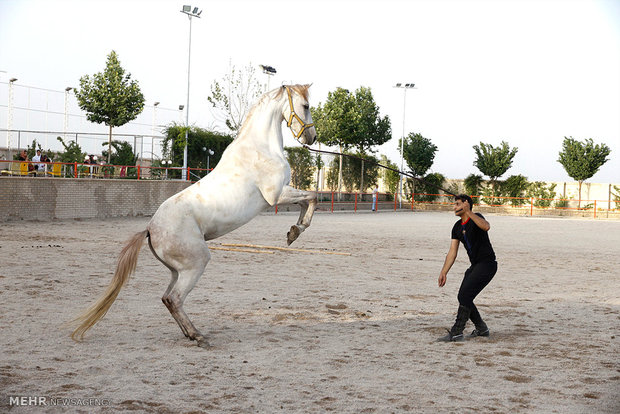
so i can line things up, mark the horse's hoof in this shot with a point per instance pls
(202, 342)
(292, 235)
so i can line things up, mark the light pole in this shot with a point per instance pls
(166, 164)
(190, 13)
(404, 87)
(269, 71)
(9, 118)
(209, 153)
(153, 129)
(67, 90)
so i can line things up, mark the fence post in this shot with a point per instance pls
(138, 172)
(594, 208)
(332, 201)
(412, 198)
(276, 209)
(355, 208)
(75, 174)
(394, 201)
(531, 206)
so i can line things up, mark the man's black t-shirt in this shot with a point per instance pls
(475, 240)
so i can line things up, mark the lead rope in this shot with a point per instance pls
(382, 166)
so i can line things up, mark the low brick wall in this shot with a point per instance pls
(24, 198)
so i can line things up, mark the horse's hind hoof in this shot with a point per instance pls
(202, 342)
(292, 235)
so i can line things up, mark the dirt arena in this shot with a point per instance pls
(312, 332)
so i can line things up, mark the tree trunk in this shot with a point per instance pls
(362, 178)
(340, 173)
(110, 145)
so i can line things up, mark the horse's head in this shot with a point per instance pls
(297, 113)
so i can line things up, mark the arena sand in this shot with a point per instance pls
(299, 332)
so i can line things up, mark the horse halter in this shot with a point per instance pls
(293, 115)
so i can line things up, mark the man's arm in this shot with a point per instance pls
(450, 258)
(480, 222)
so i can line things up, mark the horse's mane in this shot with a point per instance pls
(300, 89)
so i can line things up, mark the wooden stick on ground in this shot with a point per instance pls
(240, 250)
(287, 249)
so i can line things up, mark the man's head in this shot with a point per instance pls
(459, 200)
(38, 152)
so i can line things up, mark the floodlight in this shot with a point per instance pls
(156, 103)
(195, 10)
(181, 107)
(68, 88)
(187, 9)
(12, 79)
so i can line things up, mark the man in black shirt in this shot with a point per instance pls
(471, 230)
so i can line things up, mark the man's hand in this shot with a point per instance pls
(442, 279)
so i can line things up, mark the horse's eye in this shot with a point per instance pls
(306, 106)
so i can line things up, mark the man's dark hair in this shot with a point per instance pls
(465, 197)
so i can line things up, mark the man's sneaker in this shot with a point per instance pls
(477, 332)
(451, 338)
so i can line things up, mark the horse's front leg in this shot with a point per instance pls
(307, 201)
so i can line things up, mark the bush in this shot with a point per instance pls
(473, 186)
(515, 187)
(542, 193)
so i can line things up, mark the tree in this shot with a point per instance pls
(582, 160)
(197, 139)
(515, 187)
(233, 96)
(73, 152)
(350, 172)
(302, 166)
(351, 121)
(473, 186)
(390, 178)
(110, 97)
(494, 162)
(123, 154)
(428, 188)
(419, 153)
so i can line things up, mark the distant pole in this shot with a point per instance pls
(9, 118)
(190, 13)
(404, 87)
(67, 90)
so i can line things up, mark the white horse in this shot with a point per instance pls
(252, 175)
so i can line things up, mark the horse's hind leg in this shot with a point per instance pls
(307, 201)
(183, 281)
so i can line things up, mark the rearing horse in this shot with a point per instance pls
(252, 175)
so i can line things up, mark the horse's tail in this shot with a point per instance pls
(126, 265)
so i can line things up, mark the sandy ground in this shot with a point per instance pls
(300, 332)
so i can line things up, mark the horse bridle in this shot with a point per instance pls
(293, 115)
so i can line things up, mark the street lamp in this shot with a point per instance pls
(404, 87)
(190, 13)
(208, 152)
(67, 90)
(9, 118)
(269, 71)
(166, 164)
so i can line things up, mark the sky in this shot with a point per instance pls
(528, 72)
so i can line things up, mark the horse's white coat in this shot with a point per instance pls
(252, 175)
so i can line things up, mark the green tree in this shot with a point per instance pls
(544, 195)
(73, 152)
(390, 178)
(197, 138)
(302, 166)
(582, 160)
(233, 96)
(515, 187)
(351, 120)
(351, 170)
(473, 186)
(494, 162)
(428, 189)
(110, 97)
(419, 153)
(122, 155)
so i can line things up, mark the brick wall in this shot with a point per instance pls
(23, 198)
